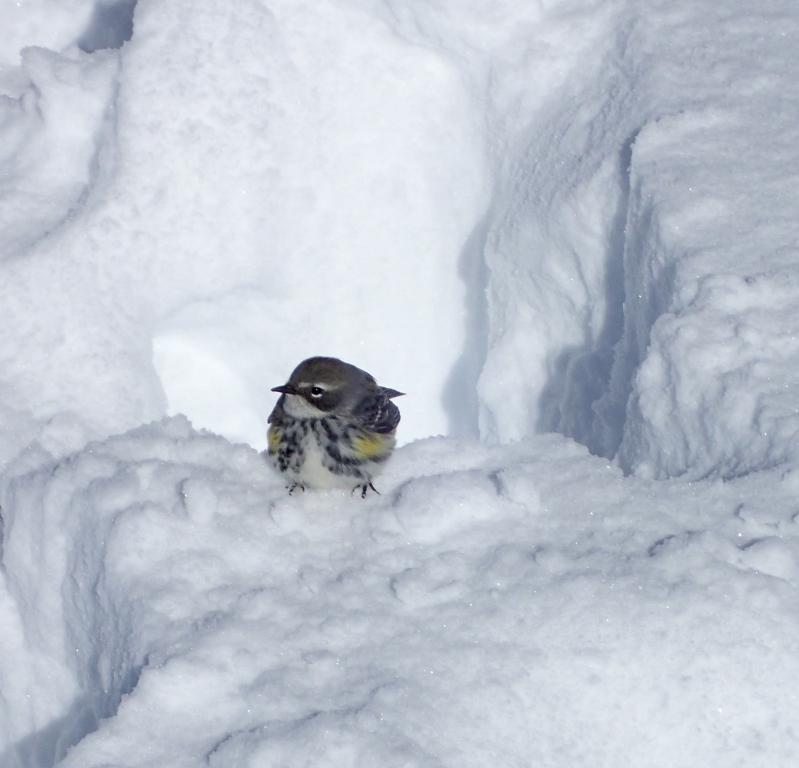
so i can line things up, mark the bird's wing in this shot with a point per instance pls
(378, 414)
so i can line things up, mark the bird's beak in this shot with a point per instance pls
(390, 393)
(285, 389)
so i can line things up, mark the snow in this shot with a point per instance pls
(526, 603)
(52, 24)
(566, 229)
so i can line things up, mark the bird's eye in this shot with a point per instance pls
(317, 391)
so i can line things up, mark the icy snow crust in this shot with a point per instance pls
(567, 217)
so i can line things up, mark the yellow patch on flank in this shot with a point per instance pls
(272, 439)
(367, 445)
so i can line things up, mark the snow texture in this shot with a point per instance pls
(567, 229)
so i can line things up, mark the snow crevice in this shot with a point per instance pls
(573, 401)
(110, 26)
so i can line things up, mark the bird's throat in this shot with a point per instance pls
(298, 407)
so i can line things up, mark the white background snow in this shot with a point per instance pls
(567, 229)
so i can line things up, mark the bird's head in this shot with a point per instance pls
(322, 386)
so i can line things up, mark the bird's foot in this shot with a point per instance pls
(293, 487)
(364, 488)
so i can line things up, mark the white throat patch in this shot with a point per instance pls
(300, 408)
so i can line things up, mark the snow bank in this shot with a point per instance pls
(717, 298)
(524, 604)
(641, 265)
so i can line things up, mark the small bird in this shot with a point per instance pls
(333, 426)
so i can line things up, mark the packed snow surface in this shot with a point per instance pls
(566, 229)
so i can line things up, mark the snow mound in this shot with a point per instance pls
(526, 603)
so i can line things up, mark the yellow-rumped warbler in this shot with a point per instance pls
(333, 426)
